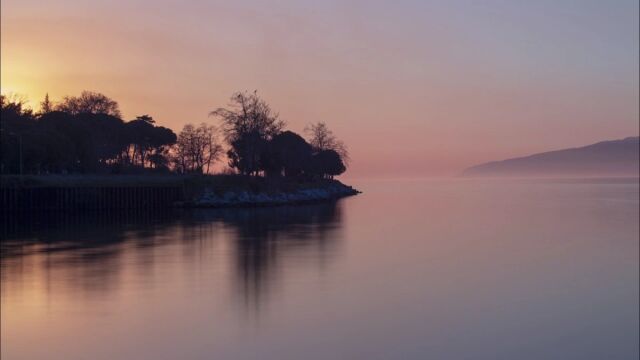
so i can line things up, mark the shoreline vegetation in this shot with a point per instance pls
(82, 142)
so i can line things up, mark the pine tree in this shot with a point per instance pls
(46, 106)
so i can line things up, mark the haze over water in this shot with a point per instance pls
(415, 88)
(411, 269)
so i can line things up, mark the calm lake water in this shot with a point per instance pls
(415, 269)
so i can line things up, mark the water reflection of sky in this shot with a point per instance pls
(93, 254)
(410, 269)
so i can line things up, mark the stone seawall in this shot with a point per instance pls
(210, 198)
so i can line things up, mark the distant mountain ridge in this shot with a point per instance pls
(606, 158)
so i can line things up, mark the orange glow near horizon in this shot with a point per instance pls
(412, 89)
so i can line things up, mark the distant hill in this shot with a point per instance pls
(607, 158)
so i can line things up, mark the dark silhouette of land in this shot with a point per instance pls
(82, 143)
(607, 158)
(87, 135)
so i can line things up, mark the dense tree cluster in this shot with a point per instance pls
(82, 134)
(86, 134)
(248, 124)
(259, 146)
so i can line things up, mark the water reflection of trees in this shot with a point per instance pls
(80, 251)
(88, 252)
(263, 236)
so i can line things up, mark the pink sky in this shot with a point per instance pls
(413, 89)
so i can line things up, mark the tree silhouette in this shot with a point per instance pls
(196, 149)
(287, 154)
(327, 164)
(248, 124)
(89, 102)
(145, 140)
(86, 134)
(321, 138)
(90, 137)
(46, 106)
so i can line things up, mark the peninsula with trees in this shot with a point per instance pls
(246, 157)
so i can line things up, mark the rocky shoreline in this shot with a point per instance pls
(242, 198)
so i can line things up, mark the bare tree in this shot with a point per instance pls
(248, 123)
(197, 149)
(322, 138)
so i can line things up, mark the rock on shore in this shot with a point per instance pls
(230, 198)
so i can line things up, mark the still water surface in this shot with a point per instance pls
(410, 269)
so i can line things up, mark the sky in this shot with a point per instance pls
(414, 88)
